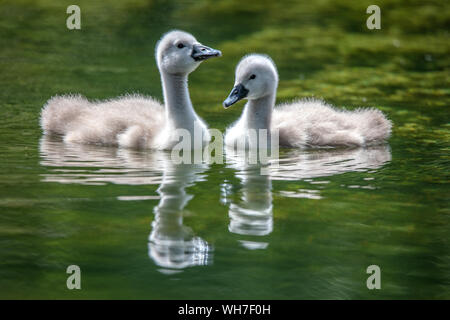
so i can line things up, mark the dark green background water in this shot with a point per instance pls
(142, 227)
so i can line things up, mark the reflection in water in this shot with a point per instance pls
(308, 164)
(252, 214)
(174, 246)
(171, 244)
(95, 165)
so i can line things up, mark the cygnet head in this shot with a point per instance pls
(178, 52)
(256, 77)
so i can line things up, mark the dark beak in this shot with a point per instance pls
(237, 93)
(201, 52)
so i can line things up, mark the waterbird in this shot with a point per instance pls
(302, 123)
(136, 121)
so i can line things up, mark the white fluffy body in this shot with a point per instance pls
(130, 121)
(135, 121)
(302, 123)
(314, 123)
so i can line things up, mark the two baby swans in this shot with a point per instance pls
(135, 121)
(303, 123)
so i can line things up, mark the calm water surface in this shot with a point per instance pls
(142, 227)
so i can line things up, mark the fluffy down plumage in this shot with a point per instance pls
(135, 121)
(300, 124)
(313, 123)
(130, 121)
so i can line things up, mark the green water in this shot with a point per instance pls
(141, 227)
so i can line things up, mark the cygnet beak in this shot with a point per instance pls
(237, 93)
(201, 52)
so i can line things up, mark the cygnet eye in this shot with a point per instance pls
(253, 76)
(180, 46)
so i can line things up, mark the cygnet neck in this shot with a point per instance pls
(179, 110)
(258, 112)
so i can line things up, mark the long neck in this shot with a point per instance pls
(258, 113)
(179, 110)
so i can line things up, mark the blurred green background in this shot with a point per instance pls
(323, 49)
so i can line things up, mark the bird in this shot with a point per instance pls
(302, 123)
(137, 121)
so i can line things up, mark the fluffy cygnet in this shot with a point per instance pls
(135, 121)
(302, 123)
